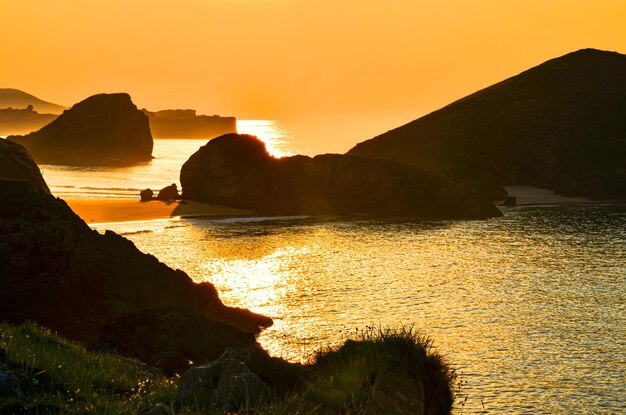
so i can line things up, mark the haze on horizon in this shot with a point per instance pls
(335, 72)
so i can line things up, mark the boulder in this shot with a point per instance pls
(146, 195)
(226, 383)
(17, 164)
(170, 338)
(236, 170)
(56, 271)
(105, 129)
(9, 385)
(168, 193)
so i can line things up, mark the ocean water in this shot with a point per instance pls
(530, 307)
(169, 156)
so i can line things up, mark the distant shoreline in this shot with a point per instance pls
(531, 195)
(95, 211)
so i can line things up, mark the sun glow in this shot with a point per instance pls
(274, 137)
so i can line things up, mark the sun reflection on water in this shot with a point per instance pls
(269, 131)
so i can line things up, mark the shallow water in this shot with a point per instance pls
(529, 307)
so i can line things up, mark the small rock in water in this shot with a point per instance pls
(168, 193)
(146, 195)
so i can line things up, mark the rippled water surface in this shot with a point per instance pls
(529, 307)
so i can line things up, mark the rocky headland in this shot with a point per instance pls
(187, 124)
(236, 170)
(56, 271)
(560, 125)
(105, 129)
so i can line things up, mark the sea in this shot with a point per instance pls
(529, 308)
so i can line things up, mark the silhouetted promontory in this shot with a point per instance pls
(104, 129)
(560, 125)
(236, 170)
(187, 124)
(56, 271)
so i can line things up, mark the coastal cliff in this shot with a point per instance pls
(103, 129)
(560, 125)
(236, 170)
(56, 271)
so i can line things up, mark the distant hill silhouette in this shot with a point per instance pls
(16, 99)
(560, 125)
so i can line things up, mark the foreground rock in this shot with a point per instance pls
(560, 125)
(17, 164)
(226, 383)
(171, 337)
(104, 129)
(236, 170)
(56, 271)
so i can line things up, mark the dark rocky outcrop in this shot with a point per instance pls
(236, 170)
(560, 125)
(170, 337)
(146, 195)
(58, 272)
(104, 129)
(168, 193)
(187, 124)
(227, 384)
(17, 164)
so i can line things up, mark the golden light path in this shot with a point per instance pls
(268, 131)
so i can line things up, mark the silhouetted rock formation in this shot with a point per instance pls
(168, 193)
(236, 170)
(58, 272)
(22, 121)
(17, 164)
(146, 195)
(186, 124)
(14, 98)
(560, 125)
(102, 130)
(171, 338)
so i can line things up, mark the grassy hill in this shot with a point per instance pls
(560, 125)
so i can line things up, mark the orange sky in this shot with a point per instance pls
(336, 72)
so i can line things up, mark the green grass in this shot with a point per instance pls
(62, 377)
(58, 376)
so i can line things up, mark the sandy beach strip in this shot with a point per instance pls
(530, 195)
(126, 210)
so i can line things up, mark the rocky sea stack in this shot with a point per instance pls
(105, 129)
(560, 125)
(236, 170)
